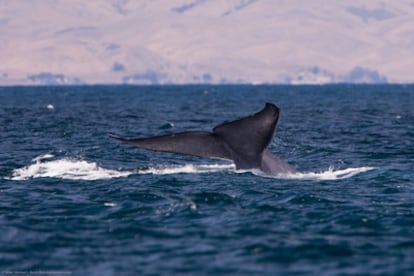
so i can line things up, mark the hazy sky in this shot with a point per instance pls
(195, 41)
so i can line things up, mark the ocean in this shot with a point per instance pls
(75, 202)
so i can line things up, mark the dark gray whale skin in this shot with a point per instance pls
(243, 141)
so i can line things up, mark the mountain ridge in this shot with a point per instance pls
(199, 41)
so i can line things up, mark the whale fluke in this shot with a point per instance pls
(198, 143)
(243, 141)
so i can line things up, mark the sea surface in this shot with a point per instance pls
(75, 202)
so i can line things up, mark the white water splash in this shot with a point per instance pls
(329, 174)
(189, 168)
(67, 168)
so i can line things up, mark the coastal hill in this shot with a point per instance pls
(200, 41)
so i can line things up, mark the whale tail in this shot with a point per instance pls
(243, 141)
(198, 143)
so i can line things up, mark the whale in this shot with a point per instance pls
(244, 141)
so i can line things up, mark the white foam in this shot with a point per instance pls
(42, 157)
(67, 168)
(330, 174)
(189, 168)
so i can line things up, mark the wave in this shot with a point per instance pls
(68, 168)
(330, 174)
(189, 168)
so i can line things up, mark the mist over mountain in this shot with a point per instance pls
(206, 41)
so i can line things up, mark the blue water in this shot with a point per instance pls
(73, 201)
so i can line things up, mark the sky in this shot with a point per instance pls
(206, 41)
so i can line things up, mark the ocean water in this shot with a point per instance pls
(75, 202)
